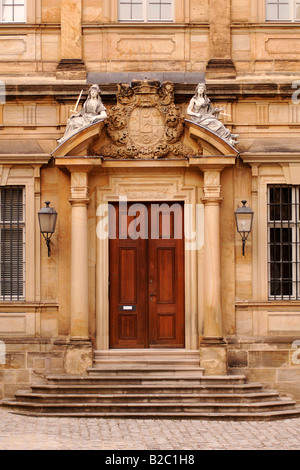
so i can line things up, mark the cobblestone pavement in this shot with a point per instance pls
(30, 433)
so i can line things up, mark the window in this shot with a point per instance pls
(12, 11)
(283, 10)
(146, 10)
(12, 243)
(283, 242)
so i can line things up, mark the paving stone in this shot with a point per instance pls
(30, 433)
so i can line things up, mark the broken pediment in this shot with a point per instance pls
(145, 124)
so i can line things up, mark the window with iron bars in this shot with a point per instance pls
(283, 242)
(12, 243)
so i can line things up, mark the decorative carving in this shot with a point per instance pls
(202, 112)
(135, 194)
(212, 186)
(145, 123)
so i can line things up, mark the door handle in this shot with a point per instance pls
(151, 295)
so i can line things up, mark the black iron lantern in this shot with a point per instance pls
(244, 218)
(47, 220)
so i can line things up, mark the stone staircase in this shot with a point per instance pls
(151, 384)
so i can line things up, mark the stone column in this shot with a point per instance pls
(220, 64)
(213, 355)
(71, 65)
(79, 351)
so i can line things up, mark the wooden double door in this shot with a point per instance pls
(146, 264)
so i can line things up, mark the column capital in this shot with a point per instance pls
(212, 200)
(79, 187)
(212, 186)
(79, 201)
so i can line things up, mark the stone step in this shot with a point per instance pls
(146, 363)
(146, 379)
(136, 354)
(152, 395)
(219, 416)
(147, 371)
(30, 397)
(134, 358)
(129, 408)
(150, 388)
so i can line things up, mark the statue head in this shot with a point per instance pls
(94, 90)
(201, 89)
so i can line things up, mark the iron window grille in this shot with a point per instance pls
(283, 242)
(12, 243)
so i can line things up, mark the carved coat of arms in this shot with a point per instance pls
(145, 123)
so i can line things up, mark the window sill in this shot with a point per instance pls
(145, 21)
(266, 303)
(26, 304)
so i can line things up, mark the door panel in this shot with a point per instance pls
(147, 279)
(127, 275)
(166, 280)
(165, 263)
(127, 279)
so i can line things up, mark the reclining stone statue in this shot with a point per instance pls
(202, 112)
(92, 111)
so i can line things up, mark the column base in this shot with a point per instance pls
(78, 356)
(213, 355)
(71, 69)
(220, 68)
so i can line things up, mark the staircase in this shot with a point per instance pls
(151, 384)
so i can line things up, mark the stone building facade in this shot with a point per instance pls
(242, 313)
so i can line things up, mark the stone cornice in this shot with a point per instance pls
(16, 306)
(12, 27)
(270, 157)
(229, 90)
(278, 25)
(19, 159)
(148, 26)
(270, 304)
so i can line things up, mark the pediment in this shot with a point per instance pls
(145, 124)
(212, 144)
(82, 142)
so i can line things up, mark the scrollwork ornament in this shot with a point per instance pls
(161, 151)
(145, 123)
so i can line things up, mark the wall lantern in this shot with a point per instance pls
(47, 219)
(244, 218)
